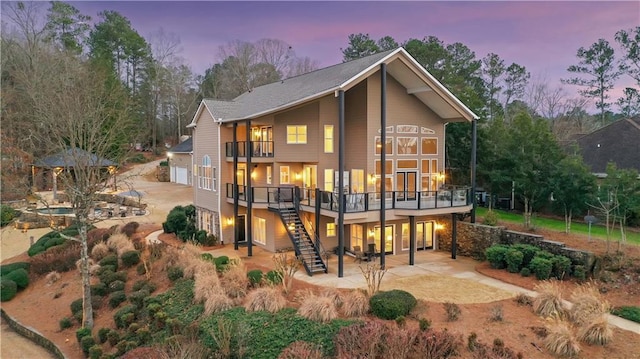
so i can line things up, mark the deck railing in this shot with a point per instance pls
(258, 149)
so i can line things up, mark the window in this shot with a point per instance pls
(331, 229)
(328, 180)
(357, 181)
(388, 168)
(407, 145)
(328, 138)
(296, 134)
(357, 236)
(285, 177)
(259, 230)
(214, 178)
(388, 148)
(204, 174)
(269, 175)
(429, 146)
(405, 236)
(407, 164)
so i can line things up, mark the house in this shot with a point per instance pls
(618, 142)
(267, 164)
(180, 159)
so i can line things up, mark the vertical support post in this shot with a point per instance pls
(454, 235)
(412, 240)
(474, 144)
(383, 158)
(249, 191)
(341, 145)
(317, 214)
(234, 148)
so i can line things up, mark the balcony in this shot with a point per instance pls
(259, 149)
(359, 202)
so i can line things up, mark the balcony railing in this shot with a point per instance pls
(258, 148)
(359, 202)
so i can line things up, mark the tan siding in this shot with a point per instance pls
(205, 142)
(355, 128)
(306, 115)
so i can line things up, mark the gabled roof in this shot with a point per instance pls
(296, 90)
(185, 146)
(73, 157)
(618, 142)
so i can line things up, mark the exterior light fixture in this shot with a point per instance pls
(439, 226)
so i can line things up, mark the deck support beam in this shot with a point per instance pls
(236, 230)
(341, 194)
(248, 191)
(383, 157)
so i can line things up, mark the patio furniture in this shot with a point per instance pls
(360, 255)
(371, 252)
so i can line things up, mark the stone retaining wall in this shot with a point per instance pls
(32, 335)
(474, 238)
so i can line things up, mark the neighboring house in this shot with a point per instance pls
(181, 162)
(618, 142)
(300, 133)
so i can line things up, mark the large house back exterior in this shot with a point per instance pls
(267, 164)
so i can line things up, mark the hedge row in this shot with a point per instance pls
(526, 258)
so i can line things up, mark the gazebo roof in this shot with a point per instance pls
(73, 157)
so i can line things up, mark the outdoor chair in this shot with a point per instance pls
(371, 253)
(360, 256)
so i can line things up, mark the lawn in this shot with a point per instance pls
(597, 230)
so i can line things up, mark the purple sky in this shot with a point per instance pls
(543, 36)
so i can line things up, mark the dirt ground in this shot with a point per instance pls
(41, 306)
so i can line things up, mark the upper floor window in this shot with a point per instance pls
(296, 134)
(429, 146)
(331, 229)
(328, 138)
(328, 180)
(388, 148)
(205, 173)
(285, 175)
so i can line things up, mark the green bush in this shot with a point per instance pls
(176, 220)
(7, 214)
(221, 263)
(207, 257)
(82, 332)
(86, 343)
(116, 286)
(424, 324)
(137, 298)
(525, 272)
(273, 278)
(144, 284)
(95, 352)
(103, 335)
(175, 273)
(8, 289)
(580, 272)
(20, 276)
(99, 289)
(255, 277)
(110, 260)
(116, 298)
(561, 266)
(8, 268)
(125, 316)
(528, 251)
(163, 164)
(541, 267)
(496, 255)
(144, 335)
(76, 306)
(140, 269)
(392, 304)
(113, 337)
(491, 218)
(631, 313)
(106, 268)
(65, 323)
(513, 258)
(130, 258)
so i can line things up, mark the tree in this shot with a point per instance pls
(492, 68)
(630, 103)
(573, 188)
(597, 72)
(360, 45)
(516, 79)
(629, 40)
(67, 27)
(387, 43)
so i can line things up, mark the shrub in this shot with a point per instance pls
(65, 323)
(110, 260)
(514, 259)
(176, 220)
(561, 266)
(548, 302)
(8, 289)
(491, 218)
(438, 344)
(269, 299)
(99, 251)
(320, 309)
(99, 289)
(217, 303)
(86, 343)
(8, 268)
(580, 272)
(349, 341)
(355, 304)
(255, 277)
(125, 316)
(144, 335)
(205, 285)
(541, 267)
(137, 298)
(144, 284)
(61, 258)
(452, 310)
(130, 258)
(528, 252)
(82, 332)
(116, 286)
(628, 312)
(496, 255)
(95, 352)
(76, 306)
(597, 331)
(424, 324)
(20, 276)
(392, 304)
(116, 298)
(234, 281)
(525, 272)
(130, 228)
(301, 350)
(560, 340)
(523, 299)
(7, 214)
(272, 277)
(103, 335)
(175, 273)
(221, 263)
(497, 314)
(113, 337)
(588, 304)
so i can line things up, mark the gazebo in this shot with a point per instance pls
(65, 160)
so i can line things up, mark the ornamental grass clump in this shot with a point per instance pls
(560, 340)
(588, 304)
(234, 280)
(355, 304)
(320, 309)
(548, 302)
(301, 350)
(597, 331)
(269, 299)
(205, 285)
(216, 303)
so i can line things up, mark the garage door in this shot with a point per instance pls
(181, 175)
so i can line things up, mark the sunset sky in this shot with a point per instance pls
(544, 36)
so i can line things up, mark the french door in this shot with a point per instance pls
(406, 186)
(424, 235)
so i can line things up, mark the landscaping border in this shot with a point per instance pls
(32, 335)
